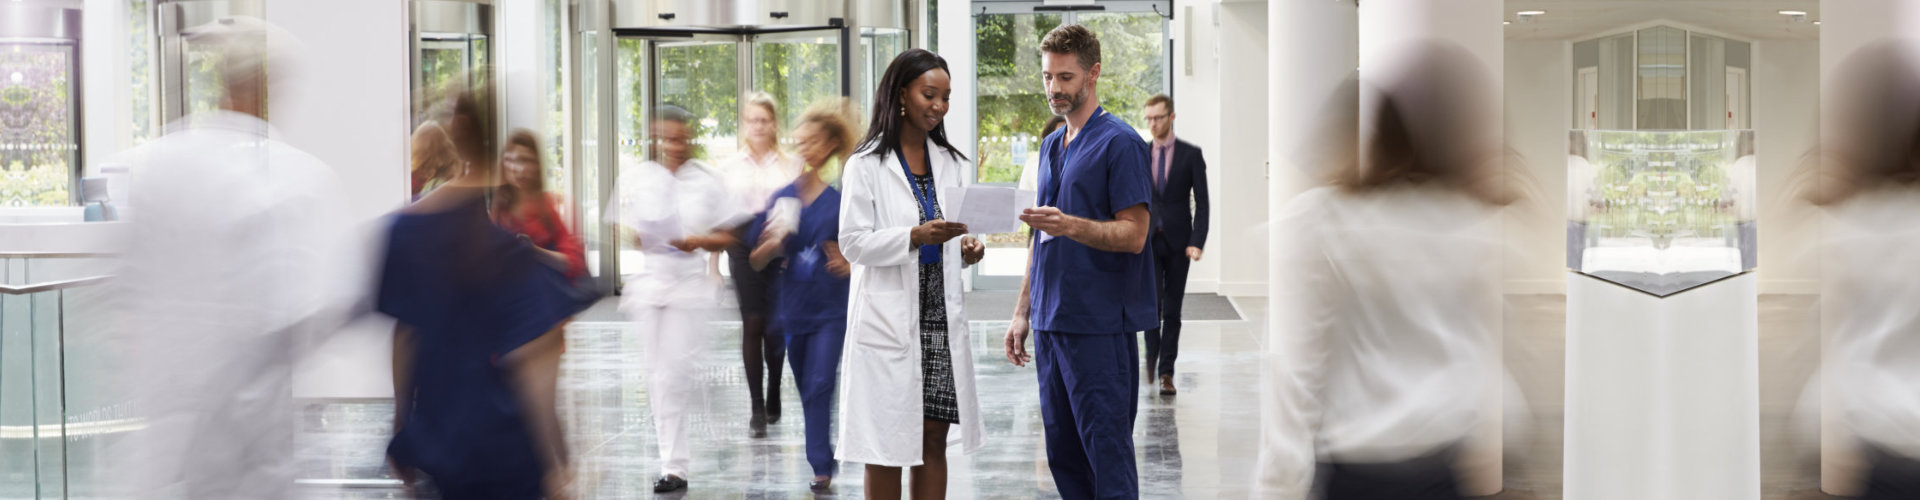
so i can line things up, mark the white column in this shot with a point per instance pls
(107, 96)
(520, 39)
(1846, 26)
(957, 45)
(346, 103)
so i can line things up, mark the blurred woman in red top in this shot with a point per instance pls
(525, 207)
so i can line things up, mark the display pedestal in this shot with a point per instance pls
(1663, 394)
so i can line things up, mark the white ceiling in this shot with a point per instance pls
(1581, 19)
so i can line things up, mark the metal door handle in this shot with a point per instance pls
(779, 14)
(666, 16)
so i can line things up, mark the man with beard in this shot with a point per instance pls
(1088, 285)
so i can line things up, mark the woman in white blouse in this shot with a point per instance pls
(1380, 363)
(752, 177)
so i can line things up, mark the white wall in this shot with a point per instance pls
(1785, 119)
(1238, 166)
(348, 106)
(1198, 118)
(1786, 123)
(521, 38)
(1539, 86)
(105, 74)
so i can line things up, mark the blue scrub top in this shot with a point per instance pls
(1075, 288)
(810, 299)
(472, 293)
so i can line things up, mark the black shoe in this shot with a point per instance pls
(669, 483)
(757, 427)
(773, 405)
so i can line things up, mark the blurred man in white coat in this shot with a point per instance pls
(238, 255)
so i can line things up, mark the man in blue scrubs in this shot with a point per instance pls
(1088, 286)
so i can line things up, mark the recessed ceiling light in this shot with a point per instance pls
(1816, 22)
(1793, 12)
(1506, 22)
(1530, 12)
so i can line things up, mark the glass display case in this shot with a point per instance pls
(1661, 211)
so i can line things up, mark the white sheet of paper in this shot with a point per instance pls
(988, 209)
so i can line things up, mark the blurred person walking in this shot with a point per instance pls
(679, 211)
(811, 275)
(239, 256)
(478, 338)
(1867, 182)
(752, 177)
(1382, 355)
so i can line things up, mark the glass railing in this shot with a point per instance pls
(57, 417)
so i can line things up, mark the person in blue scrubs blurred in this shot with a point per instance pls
(812, 276)
(1088, 285)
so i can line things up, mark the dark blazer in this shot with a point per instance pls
(1182, 220)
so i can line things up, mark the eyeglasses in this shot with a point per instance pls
(1155, 118)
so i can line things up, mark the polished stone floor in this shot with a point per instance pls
(1194, 445)
(1198, 444)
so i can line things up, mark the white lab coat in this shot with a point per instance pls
(1866, 310)
(1384, 329)
(239, 254)
(880, 385)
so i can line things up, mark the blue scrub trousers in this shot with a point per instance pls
(816, 371)
(1088, 399)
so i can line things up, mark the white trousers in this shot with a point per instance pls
(674, 339)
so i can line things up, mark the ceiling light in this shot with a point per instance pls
(1816, 22)
(1793, 12)
(1530, 13)
(1506, 22)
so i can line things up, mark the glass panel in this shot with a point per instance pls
(140, 57)
(1012, 109)
(446, 62)
(1707, 71)
(1661, 212)
(37, 140)
(1133, 63)
(590, 203)
(704, 78)
(1010, 96)
(798, 71)
(630, 91)
(878, 47)
(204, 81)
(1616, 83)
(1662, 64)
(554, 131)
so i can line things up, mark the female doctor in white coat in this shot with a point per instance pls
(907, 364)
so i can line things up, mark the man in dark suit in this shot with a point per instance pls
(1179, 232)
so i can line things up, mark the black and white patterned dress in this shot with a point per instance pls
(936, 358)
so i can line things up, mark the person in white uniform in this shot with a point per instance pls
(238, 256)
(1380, 367)
(679, 212)
(1867, 183)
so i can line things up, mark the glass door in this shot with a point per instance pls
(1013, 110)
(39, 145)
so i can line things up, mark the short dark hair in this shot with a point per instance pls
(672, 113)
(1161, 99)
(1074, 39)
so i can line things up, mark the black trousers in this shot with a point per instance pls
(1170, 280)
(1891, 476)
(1429, 477)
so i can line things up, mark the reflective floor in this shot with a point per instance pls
(1194, 445)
